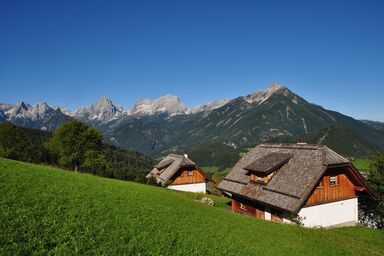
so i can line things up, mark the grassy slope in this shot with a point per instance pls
(362, 164)
(212, 169)
(49, 211)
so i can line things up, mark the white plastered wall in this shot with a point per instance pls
(330, 214)
(195, 187)
(267, 214)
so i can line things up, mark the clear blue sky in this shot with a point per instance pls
(72, 52)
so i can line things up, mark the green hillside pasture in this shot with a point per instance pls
(50, 211)
(212, 169)
(362, 164)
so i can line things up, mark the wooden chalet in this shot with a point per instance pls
(180, 173)
(310, 182)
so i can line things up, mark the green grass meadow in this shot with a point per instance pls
(48, 211)
(362, 164)
(212, 169)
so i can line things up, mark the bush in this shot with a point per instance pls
(376, 182)
(152, 181)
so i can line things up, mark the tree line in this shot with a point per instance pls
(73, 146)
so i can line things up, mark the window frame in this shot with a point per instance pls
(190, 172)
(335, 183)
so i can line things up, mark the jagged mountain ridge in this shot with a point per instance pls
(258, 117)
(103, 110)
(38, 116)
(168, 104)
(242, 122)
(155, 127)
(101, 113)
(208, 106)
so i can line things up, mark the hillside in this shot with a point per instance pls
(374, 124)
(241, 123)
(272, 113)
(340, 138)
(49, 211)
(30, 145)
(159, 126)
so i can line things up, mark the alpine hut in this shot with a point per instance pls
(296, 182)
(178, 172)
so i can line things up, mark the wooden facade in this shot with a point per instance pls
(336, 184)
(188, 175)
(247, 207)
(243, 206)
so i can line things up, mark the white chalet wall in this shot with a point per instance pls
(330, 214)
(196, 187)
(267, 214)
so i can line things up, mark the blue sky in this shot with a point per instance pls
(72, 52)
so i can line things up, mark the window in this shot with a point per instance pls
(259, 179)
(333, 180)
(190, 173)
(243, 206)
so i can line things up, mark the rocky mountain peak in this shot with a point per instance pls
(103, 101)
(42, 107)
(102, 110)
(26, 111)
(208, 106)
(19, 109)
(63, 110)
(276, 87)
(260, 96)
(5, 107)
(22, 105)
(105, 106)
(40, 110)
(168, 104)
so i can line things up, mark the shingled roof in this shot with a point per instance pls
(300, 168)
(167, 167)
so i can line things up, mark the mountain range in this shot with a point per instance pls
(155, 127)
